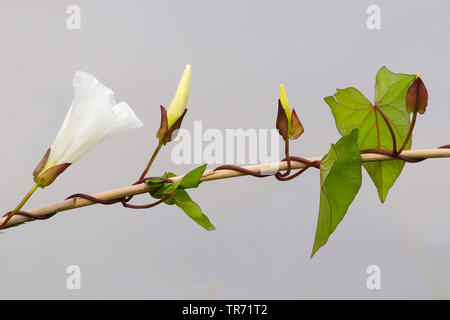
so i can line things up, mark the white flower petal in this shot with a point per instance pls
(92, 117)
(125, 119)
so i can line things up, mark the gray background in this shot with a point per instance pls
(240, 51)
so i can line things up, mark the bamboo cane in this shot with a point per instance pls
(209, 175)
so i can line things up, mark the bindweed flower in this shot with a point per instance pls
(93, 116)
(172, 118)
(417, 96)
(288, 124)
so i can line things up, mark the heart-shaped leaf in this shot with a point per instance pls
(352, 110)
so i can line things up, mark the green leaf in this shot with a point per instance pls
(192, 209)
(153, 181)
(157, 183)
(352, 110)
(169, 175)
(192, 179)
(340, 180)
(181, 198)
(165, 189)
(180, 194)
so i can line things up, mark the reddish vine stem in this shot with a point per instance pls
(386, 120)
(279, 176)
(147, 206)
(124, 201)
(309, 164)
(241, 170)
(391, 154)
(288, 159)
(32, 216)
(408, 136)
(315, 164)
(94, 199)
(312, 163)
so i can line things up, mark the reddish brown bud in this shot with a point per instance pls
(164, 134)
(296, 127)
(41, 164)
(49, 175)
(417, 97)
(282, 122)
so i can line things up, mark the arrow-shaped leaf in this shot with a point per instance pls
(192, 209)
(340, 180)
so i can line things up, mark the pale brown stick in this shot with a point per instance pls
(207, 176)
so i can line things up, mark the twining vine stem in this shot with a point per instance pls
(223, 172)
(155, 153)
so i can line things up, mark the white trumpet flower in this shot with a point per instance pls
(93, 116)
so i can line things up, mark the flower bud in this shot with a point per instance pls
(178, 105)
(285, 104)
(417, 96)
(282, 122)
(288, 123)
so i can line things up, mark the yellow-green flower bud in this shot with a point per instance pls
(179, 101)
(288, 123)
(285, 104)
